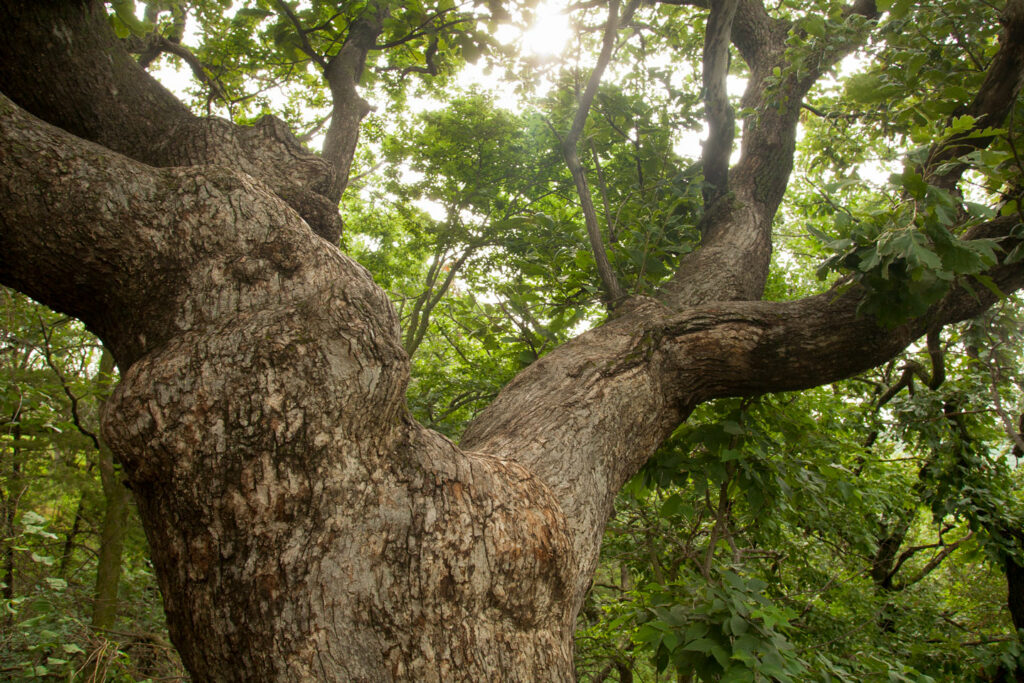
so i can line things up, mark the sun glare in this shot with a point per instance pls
(550, 32)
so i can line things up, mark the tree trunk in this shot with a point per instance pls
(116, 500)
(16, 488)
(108, 562)
(69, 539)
(302, 525)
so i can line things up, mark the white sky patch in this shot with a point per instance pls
(690, 144)
(432, 208)
(503, 91)
(550, 32)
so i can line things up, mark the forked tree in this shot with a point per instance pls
(303, 526)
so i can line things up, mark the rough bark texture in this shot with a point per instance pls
(295, 513)
(303, 526)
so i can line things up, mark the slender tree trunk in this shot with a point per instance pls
(109, 562)
(16, 487)
(115, 521)
(69, 539)
(1015, 603)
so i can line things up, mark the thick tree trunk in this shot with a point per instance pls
(302, 526)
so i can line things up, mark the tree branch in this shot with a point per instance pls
(117, 231)
(718, 111)
(158, 44)
(990, 106)
(302, 33)
(98, 92)
(622, 388)
(946, 551)
(343, 73)
(612, 289)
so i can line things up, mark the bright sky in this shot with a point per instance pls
(550, 32)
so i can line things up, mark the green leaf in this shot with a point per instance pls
(526, 357)
(814, 25)
(989, 284)
(1016, 255)
(42, 559)
(737, 674)
(703, 645)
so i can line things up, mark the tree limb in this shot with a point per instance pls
(304, 44)
(623, 387)
(946, 551)
(612, 289)
(718, 111)
(995, 98)
(98, 92)
(343, 73)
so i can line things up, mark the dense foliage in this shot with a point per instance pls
(866, 530)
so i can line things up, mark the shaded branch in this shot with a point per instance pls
(76, 419)
(425, 28)
(906, 381)
(718, 111)
(430, 69)
(938, 358)
(158, 44)
(946, 551)
(304, 44)
(430, 299)
(990, 106)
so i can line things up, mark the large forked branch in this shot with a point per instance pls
(608, 399)
(612, 289)
(95, 90)
(735, 253)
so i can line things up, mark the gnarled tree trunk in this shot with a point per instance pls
(302, 525)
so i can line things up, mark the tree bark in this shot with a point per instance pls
(69, 538)
(302, 525)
